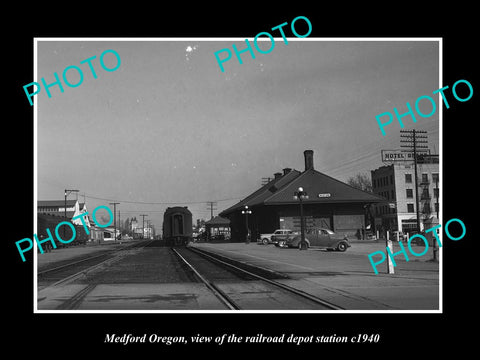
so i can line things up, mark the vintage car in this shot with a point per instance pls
(264, 239)
(281, 235)
(322, 238)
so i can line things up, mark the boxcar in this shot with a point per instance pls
(177, 226)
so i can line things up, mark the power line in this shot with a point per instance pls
(352, 162)
(211, 205)
(160, 203)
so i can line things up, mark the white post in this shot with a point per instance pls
(390, 268)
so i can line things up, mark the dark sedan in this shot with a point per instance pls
(322, 238)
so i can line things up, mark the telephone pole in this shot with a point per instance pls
(114, 220)
(211, 204)
(414, 140)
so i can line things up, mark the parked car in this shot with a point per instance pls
(282, 234)
(265, 239)
(323, 238)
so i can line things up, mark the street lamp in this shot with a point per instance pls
(246, 212)
(301, 195)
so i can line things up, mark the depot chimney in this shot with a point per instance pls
(308, 154)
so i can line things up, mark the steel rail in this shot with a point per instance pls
(225, 299)
(272, 282)
(75, 301)
(117, 255)
(109, 253)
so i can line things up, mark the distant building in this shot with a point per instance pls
(331, 204)
(139, 232)
(396, 183)
(57, 208)
(104, 234)
(218, 226)
(50, 213)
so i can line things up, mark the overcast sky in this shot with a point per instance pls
(169, 127)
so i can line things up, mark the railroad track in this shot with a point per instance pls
(52, 274)
(234, 286)
(78, 267)
(227, 299)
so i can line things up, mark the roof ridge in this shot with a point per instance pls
(261, 191)
(344, 183)
(329, 183)
(283, 188)
(57, 201)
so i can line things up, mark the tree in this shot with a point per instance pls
(361, 181)
(126, 226)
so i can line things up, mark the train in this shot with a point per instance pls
(177, 226)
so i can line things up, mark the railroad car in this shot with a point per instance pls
(177, 226)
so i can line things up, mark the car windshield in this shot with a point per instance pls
(327, 231)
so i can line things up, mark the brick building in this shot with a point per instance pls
(331, 204)
(396, 183)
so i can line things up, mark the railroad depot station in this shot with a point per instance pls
(331, 204)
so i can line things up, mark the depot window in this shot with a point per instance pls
(408, 178)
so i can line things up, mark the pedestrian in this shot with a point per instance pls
(248, 237)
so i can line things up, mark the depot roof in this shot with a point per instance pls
(218, 220)
(321, 189)
(258, 197)
(55, 203)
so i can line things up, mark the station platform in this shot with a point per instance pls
(347, 278)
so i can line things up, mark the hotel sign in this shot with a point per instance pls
(400, 155)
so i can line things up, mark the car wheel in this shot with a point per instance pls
(265, 241)
(300, 245)
(342, 247)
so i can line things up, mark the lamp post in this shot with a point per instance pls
(301, 195)
(246, 212)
